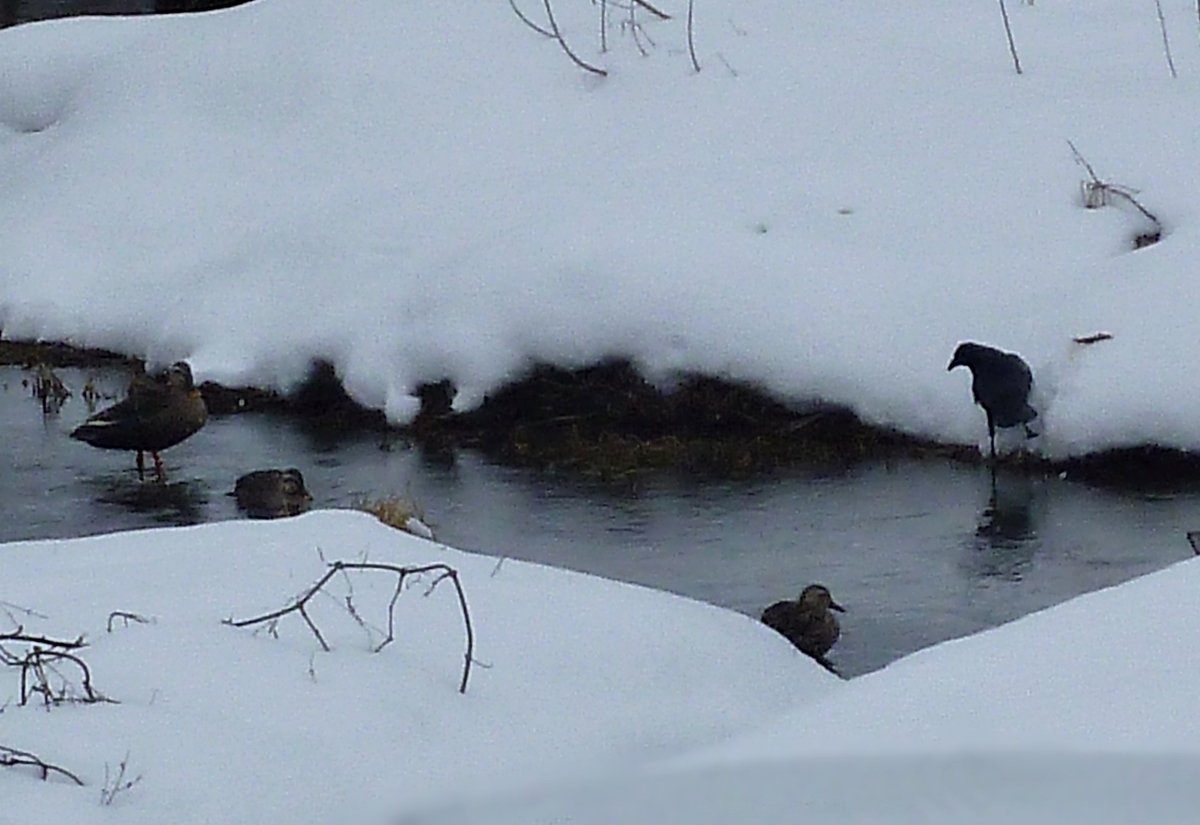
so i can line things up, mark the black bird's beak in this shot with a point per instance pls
(953, 363)
(835, 606)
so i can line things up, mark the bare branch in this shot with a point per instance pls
(299, 604)
(19, 635)
(117, 784)
(557, 35)
(12, 758)
(40, 676)
(1097, 193)
(661, 15)
(126, 618)
(1162, 25)
(1012, 47)
(691, 37)
(1083, 162)
(527, 21)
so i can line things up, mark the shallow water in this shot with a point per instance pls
(918, 552)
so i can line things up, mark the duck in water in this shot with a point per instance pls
(272, 493)
(158, 412)
(808, 623)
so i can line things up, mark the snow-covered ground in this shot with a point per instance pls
(589, 700)
(412, 191)
(843, 192)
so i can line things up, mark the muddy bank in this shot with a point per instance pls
(607, 420)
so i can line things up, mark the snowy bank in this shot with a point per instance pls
(841, 195)
(574, 675)
(1079, 713)
(592, 701)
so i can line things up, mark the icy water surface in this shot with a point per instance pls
(918, 552)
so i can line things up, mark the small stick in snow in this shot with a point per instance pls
(12, 758)
(1012, 47)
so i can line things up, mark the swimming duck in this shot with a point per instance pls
(158, 412)
(272, 493)
(807, 622)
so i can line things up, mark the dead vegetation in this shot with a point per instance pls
(1097, 194)
(431, 575)
(400, 512)
(625, 17)
(606, 421)
(51, 672)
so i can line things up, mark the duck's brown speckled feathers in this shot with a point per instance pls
(272, 493)
(159, 412)
(807, 622)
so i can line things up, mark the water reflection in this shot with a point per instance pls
(1006, 537)
(170, 502)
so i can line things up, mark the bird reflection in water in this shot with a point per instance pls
(176, 503)
(1007, 530)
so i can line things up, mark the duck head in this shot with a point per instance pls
(818, 597)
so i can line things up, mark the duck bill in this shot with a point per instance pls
(835, 606)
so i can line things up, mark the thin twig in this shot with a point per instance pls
(118, 783)
(1083, 162)
(11, 758)
(661, 15)
(126, 618)
(527, 21)
(1012, 47)
(691, 38)
(635, 28)
(734, 71)
(1162, 24)
(1106, 189)
(557, 34)
(19, 635)
(604, 26)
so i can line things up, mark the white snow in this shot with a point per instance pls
(842, 193)
(413, 191)
(589, 700)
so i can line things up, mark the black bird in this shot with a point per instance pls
(807, 622)
(1001, 383)
(272, 493)
(158, 412)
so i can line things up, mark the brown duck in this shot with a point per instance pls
(159, 412)
(272, 493)
(807, 622)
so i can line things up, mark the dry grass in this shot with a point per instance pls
(395, 511)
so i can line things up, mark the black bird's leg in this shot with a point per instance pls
(992, 436)
(141, 465)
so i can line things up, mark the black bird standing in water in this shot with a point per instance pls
(1001, 383)
(159, 412)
